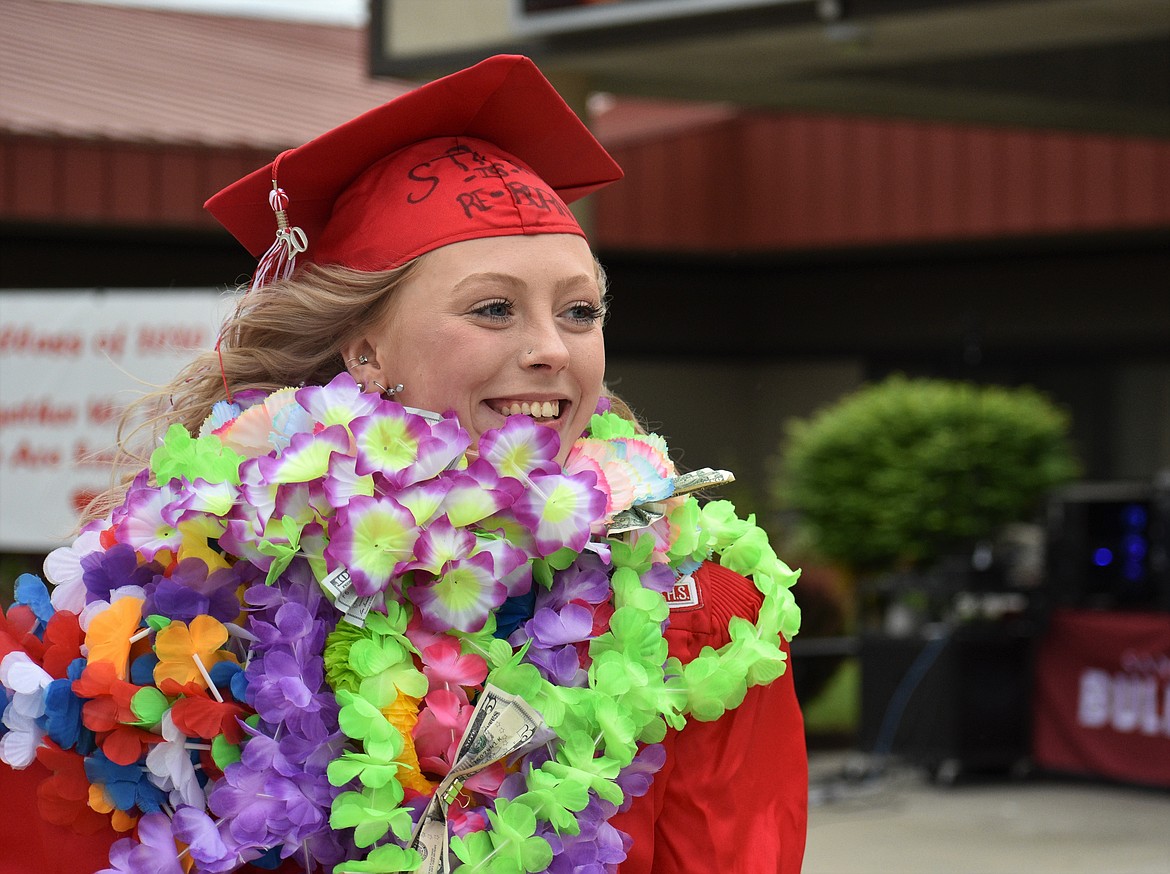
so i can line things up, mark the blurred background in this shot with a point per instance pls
(901, 265)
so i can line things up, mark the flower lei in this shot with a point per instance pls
(272, 648)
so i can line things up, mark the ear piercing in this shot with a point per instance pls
(389, 392)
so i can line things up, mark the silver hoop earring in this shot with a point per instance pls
(361, 359)
(389, 392)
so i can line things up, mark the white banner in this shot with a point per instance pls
(69, 362)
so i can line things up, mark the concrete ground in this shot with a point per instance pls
(869, 819)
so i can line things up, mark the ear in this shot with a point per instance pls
(353, 351)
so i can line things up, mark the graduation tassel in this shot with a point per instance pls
(281, 258)
(278, 262)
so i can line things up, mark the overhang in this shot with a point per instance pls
(1100, 65)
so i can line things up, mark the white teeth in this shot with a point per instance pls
(536, 409)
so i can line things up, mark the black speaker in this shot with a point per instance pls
(954, 699)
(1108, 546)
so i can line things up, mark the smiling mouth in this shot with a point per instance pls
(539, 410)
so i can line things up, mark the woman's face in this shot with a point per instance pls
(495, 327)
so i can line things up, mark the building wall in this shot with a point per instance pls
(112, 184)
(1086, 320)
(765, 182)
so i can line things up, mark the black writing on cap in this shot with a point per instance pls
(465, 159)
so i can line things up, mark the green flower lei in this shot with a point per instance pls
(635, 692)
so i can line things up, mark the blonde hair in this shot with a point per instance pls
(289, 332)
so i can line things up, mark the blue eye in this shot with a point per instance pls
(586, 313)
(497, 310)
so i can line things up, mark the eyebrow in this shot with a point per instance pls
(566, 284)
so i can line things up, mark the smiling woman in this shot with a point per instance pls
(401, 586)
(524, 314)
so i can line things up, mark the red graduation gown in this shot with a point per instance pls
(732, 797)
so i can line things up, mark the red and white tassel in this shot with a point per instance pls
(277, 263)
(281, 258)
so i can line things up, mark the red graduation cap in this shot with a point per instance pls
(492, 150)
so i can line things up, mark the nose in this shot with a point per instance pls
(545, 347)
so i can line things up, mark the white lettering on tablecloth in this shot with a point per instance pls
(1124, 701)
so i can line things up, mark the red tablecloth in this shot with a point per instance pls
(1101, 704)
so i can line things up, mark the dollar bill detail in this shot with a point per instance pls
(501, 726)
(704, 478)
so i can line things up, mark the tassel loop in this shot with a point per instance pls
(281, 258)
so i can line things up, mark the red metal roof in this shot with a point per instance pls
(139, 75)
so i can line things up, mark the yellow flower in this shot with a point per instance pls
(195, 544)
(178, 645)
(98, 800)
(123, 821)
(403, 715)
(108, 637)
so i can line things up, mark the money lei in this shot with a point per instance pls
(629, 678)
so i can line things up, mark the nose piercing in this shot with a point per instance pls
(530, 351)
(389, 392)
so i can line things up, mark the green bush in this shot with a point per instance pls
(902, 472)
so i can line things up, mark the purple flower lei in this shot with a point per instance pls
(244, 531)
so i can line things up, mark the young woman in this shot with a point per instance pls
(402, 587)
